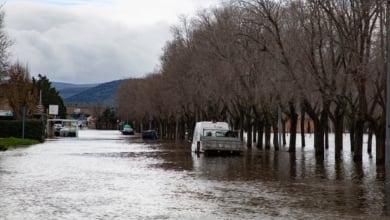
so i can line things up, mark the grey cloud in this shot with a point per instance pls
(72, 47)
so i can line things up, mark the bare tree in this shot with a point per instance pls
(20, 92)
(239, 62)
(5, 43)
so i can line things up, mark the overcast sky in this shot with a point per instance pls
(93, 41)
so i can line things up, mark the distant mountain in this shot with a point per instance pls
(67, 90)
(104, 93)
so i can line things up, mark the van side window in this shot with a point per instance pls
(209, 133)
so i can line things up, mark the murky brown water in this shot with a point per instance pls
(103, 175)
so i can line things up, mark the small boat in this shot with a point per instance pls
(149, 135)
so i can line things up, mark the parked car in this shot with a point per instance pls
(149, 135)
(69, 128)
(57, 128)
(127, 130)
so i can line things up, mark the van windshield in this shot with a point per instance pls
(220, 133)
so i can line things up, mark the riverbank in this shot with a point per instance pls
(11, 142)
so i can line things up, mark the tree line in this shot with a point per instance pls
(240, 62)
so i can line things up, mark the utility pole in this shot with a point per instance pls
(280, 125)
(387, 141)
(23, 119)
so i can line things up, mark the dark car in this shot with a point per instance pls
(57, 128)
(149, 135)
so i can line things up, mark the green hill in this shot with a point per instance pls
(104, 93)
(67, 90)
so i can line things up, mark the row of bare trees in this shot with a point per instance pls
(239, 62)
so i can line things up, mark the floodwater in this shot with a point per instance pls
(104, 175)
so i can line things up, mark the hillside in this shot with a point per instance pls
(104, 93)
(67, 90)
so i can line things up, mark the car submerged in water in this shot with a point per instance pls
(127, 130)
(57, 128)
(149, 135)
(69, 128)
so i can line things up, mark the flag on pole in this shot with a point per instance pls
(39, 109)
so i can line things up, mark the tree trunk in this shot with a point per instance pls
(318, 129)
(177, 128)
(161, 129)
(293, 128)
(242, 127)
(325, 122)
(361, 118)
(284, 133)
(260, 132)
(369, 141)
(254, 126)
(380, 134)
(358, 151)
(275, 134)
(338, 131)
(249, 134)
(319, 140)
(267, 134)
(303, 128)
(326, 133)
(352, 132)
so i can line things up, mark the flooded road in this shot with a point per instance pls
(104, 175)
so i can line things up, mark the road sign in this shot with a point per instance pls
(53, 109)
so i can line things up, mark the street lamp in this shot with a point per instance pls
(387, 141)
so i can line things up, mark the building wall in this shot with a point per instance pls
(78, 108)
(308, 128)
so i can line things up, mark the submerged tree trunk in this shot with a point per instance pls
(267, 127)
(161, 129)
(325, 122)
(326, 133)
(177, 128)
(338, 123)
(254, 126)
(352, 132)
(319, 139)
(260, 132)
(318, 130)
(293, 128)
(242, 127)
(303, 128)
(284, 133)
(359, 131)
(380, 134)
(369, 141)
(249, 133)
(275, 134)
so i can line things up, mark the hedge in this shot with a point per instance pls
(34, 129)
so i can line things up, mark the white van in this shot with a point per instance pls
(215, 136)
